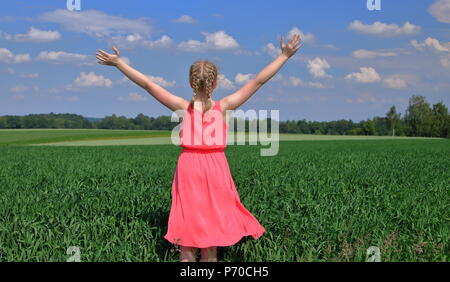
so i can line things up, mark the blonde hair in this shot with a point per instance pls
(202, 76)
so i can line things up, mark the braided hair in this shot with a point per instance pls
(202, 76)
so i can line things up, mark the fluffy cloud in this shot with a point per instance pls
(395, 83)
(384, 30)
(367, 54)
(272, 50)
(243, 78)
(19, 89)
(440, 10)
(306, 37)
(59, 57)
(132, 97)
(445, 61)
(297, 82)
(96, 23)
(92, 79)
(34, 35)
(29, 75)
(431, 43)
(155, 79)
(366, 75)
(213, 41)
(185, 19)
(6, 56)
(161, 81)
(443, 49)
(135, 40)
(318, 67)
(225, 83)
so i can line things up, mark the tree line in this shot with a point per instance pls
(420, 119)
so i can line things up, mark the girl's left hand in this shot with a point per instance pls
(292, 47)
(108, 59)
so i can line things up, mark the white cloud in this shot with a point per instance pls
(224, 82)
(185, 19)
(96, 23)
(395, 83)
(136, 40)
(92, 79)
(213, 41)
(132, 97)
(272, 50)
(243, 78)
(440, 10)
(59, 57)
(155, 79)
(366, 75)
(297, 82)
(161, 81)
(19, 88)
(384, 30)
(305, 37)
(431, 43)
(29, 75)
(6, 56)
(445, 61)
(367, 54)
(318, 67)
(34, 35)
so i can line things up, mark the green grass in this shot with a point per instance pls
(100, 137)
(318, 201)
(42, 136)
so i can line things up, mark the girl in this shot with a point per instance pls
(206, 211)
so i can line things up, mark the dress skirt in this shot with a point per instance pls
(206, 210)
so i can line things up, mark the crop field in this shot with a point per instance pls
(318, 201)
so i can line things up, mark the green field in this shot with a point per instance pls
(44, 136)
(101, 137)
(318, 200)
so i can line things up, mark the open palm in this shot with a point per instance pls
(108, 59)
(292, 47)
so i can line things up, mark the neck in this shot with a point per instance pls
(202, 98)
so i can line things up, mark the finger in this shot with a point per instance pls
(100, 58)
(104, 53)
(116, 51)
(282, 41)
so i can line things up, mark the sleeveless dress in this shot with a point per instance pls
(206, 210)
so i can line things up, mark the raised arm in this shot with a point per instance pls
(236, 99)
(162, 95)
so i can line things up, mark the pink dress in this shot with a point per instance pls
(206, 210)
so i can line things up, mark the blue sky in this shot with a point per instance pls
(354, 63)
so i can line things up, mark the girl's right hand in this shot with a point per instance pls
(108, 59)
(292, 47)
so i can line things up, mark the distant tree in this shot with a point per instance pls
(392, 119)
(3, 123)
(441, 120)
(419, 117)
(369, 128)
(356, 131)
